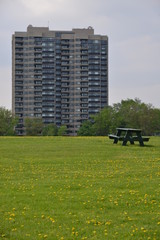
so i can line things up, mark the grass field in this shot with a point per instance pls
(78, 188)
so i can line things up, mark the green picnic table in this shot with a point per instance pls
(129, 135)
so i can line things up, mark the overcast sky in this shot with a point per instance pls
(133, 28)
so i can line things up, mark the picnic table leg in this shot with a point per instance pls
(140, 139)
(141, 142)
(124, 142)
(131, 141)
(130, 138)
(126, 139)
(115, 141)
(118, 135)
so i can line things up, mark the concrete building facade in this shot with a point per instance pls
(59, 76)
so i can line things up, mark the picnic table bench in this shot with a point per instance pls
(126, 134)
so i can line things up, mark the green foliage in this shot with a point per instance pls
(105, 122)
(33, 126)
(78, 188)
(50, 130)
(86, 129)
(135, 114)
(7, 122)
(62, 130)
(128, 113)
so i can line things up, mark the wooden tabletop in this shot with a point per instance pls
(129, 129)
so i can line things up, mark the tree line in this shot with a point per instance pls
(128, 113)
(36, 127)
(33, 126)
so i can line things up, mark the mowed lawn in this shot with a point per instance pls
(78, 188)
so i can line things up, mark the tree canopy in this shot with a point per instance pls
(129, 113)
(50, 130)
(33, 126)
(36, 127)
(62, 130)
(7, 122)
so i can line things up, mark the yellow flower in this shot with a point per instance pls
(14, 229)
(108, 223)
(12, 215)
(52, 220)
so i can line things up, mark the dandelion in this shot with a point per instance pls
(143, 229)
(108, 223)
(105, 232)
(14, 229)
(52, 220)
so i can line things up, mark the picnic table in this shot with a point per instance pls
(129, 134)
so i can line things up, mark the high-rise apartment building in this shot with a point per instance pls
(59, 76)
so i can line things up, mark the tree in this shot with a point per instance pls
(128, 113)
(50, 130)
(7, 122)
(33, 126)
(104, 122)
(86, 129)
(136, 114)
(62, 130)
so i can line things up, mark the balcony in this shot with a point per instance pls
(19, 93)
